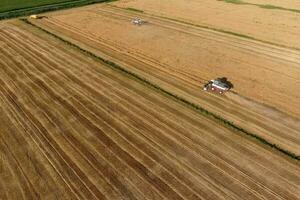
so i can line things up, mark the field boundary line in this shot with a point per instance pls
(264, 6)
(182, 100)
(240, 35)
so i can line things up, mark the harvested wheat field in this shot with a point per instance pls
(94, 107)
(272, 25)
(180, 58)
(73, 127)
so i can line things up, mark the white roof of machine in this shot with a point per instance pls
(220, 84)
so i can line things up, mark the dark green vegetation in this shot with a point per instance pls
(9, 5)
(175, 97)
(265, 6)
(135, 10)
(16, 8)
(234, 1)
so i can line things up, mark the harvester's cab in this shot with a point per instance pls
(33, 16)
(36, 17)
(219, 85)
(138, 21)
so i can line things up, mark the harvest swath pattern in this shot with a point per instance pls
(75, 128)
(85, 126)
(269, 25)
(185, 82)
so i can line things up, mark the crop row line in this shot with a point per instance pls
(182, 100)
(241, 35)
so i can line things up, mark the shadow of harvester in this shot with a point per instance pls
(225, 80)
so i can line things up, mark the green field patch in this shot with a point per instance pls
(9, 5)
(17, 8)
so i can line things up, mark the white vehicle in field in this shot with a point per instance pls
(37, 17)
(138, 21)
(219, 85)
(33, 16)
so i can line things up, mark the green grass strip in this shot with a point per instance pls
(265, 6)
(234, 1)
(47, 8)
(135, 10)
(198, 108)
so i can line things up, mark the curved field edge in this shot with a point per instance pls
(240, 35)
(46, 8)
(182, 100)
(264, 6)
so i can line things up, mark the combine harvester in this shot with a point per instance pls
(35, 17)
(138, 21)
(219, 85)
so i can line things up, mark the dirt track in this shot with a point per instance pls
(183, 70)
(72, 128)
